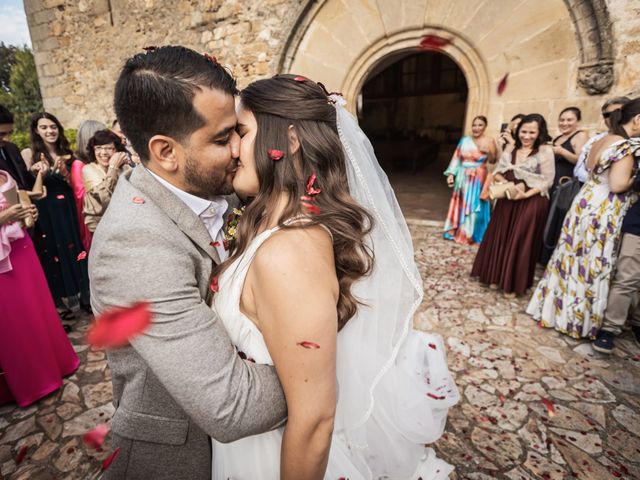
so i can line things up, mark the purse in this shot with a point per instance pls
(499, 190)
(563, 196)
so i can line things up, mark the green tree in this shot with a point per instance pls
(21, 93)
(7, 55)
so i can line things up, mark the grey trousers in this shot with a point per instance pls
(624, 288)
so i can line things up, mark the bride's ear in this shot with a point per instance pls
(294, 142)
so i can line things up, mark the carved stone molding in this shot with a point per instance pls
(596, 78)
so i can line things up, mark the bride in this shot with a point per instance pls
(322, 284)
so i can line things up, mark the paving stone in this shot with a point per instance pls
(24, 412)
(69, 456)
(518, 474)
(31, 472)
(5, 453)
(96, 355)
(542, 467)
(71, 393)
(503, 450)
(562, 395)
(625, 380)
(87, 420)
(533, 438)
(44, 451)
(458, 346)
(564, 417)
(554, 382)
(627, 418)
(8, 467)
(594, 412)
(587, 442)
(552, 354)
(626, 444)
(509, 416)
(594, 391)
(461, 453)
(51, 424)
(31, 441)
(19, 430)
(95, 395)
(96, 366)
(584, 466)
(68, 410)
(479, 398)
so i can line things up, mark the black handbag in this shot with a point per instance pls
(563, 196)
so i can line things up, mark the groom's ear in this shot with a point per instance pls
(294, 142)
(163, 151)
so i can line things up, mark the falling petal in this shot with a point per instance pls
(56, 259)
(310, 189)
(503, 84)
(300, 79)
(434, 42)
(211, 58)
(551, 409)
(95, 438)
(109, 460)
(214, 285)
(114, 328)
(21, 454)
(307, 344)
(82, 255)
(215, 244)
(138, 200)
(60, 197)
(275, 154)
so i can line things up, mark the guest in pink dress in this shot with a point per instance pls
(86, 130)
(35, 353)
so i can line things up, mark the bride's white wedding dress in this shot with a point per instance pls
(394, 386)
(421, 359)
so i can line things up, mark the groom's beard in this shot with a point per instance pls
(205, 183)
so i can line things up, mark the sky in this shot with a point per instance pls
(14, 29)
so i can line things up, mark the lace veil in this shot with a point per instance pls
(394, 385)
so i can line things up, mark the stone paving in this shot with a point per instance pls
(504, 366)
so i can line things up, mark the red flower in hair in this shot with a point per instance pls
(314, 209)
(275, 154)
(211, 58)
(310, 189)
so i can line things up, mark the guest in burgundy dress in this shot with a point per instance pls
(35, 353)
(511, 245)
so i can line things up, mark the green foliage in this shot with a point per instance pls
(20, 91)
(22, 140)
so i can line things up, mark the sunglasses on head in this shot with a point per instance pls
(607, 114)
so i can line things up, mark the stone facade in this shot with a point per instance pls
(557, 53)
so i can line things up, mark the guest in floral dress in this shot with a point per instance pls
(468, 215)
(507, 255)
(572, 295)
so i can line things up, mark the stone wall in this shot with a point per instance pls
(80, 45)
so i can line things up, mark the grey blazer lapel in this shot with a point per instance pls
(190, 224)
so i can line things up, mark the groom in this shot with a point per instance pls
(180, 381)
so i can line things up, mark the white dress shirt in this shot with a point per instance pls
(211, 212)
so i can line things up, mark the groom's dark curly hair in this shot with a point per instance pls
(154, 93)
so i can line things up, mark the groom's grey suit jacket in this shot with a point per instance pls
(180, 381)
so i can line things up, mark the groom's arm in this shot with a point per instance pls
(187, 346)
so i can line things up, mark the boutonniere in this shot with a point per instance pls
(231, 228)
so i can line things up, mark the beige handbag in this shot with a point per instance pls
(499, 190)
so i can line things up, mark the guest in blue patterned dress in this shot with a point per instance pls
(468, 215)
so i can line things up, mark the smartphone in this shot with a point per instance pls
(503, 127)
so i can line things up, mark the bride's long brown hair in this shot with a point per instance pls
(281, 102)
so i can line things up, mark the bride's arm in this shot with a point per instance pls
(295, 291)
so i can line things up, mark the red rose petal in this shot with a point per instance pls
(307, 344)
(503, 84)
(211, 58)
(114, 328)
(225, 242)
(215, 244)
(56, 259)
(275, 154)
(310, 181)
(432, 345)
(95, 438)
(21, 454)
(314, 209)
(214, 285)
(551, 409)
(138, 200)
(435, 397)
(109, 460)
(82, 255)
(434, 42)
(300, 79)
(60, 197)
